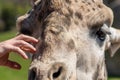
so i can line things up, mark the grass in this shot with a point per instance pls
(114, 78)
(10, 74)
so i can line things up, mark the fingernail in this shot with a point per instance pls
(37, 40)
(34, 51)
(26, 57)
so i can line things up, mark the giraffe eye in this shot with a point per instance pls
(101, 35)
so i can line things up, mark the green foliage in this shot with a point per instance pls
(114, 78)
(8, 16)
(9, 11)
(22, 10)
(1, 25)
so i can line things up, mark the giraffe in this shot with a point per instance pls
(74, 35)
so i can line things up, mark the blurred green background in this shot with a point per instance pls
(9, 11)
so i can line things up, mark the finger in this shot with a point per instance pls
(27, 50)
(27, 38)
(19, 51)
(26, 46)
(13, 65)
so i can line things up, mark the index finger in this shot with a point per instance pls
(27, 38)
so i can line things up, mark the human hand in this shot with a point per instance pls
(19, 44)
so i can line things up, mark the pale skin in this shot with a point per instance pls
(19, 44)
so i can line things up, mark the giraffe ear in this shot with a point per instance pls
(114, 40)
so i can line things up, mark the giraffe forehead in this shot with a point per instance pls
(91, 11)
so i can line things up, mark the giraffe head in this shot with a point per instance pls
(73, 37)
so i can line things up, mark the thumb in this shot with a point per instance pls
(13, 65)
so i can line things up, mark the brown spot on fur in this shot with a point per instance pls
(83, 1)
(70, 12)
(67, 21)
(88, 10)
(68, 1)
(93, 1)
(93, 9)
(71, 44)
(100, 6)
(76, 0)
(68, 16)
(79, 15)
(82, 8)
(76, 22)
(89, 3)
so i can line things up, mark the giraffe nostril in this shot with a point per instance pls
(58, 71)
(32, 74)
(57, 74)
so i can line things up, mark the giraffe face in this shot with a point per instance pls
(73, 37)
